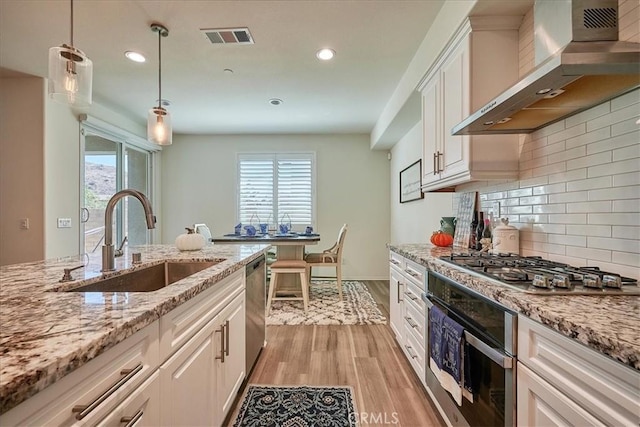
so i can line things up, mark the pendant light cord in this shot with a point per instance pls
(71, 23)
(160, 69)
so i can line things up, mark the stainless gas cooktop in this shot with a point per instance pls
(544, 277)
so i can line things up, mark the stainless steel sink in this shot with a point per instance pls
(147, 279)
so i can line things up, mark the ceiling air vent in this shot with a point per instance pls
(228, 35)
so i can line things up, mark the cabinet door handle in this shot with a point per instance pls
(440, 156)
(411, 323)
(222, 341)
(131, 421)
(226, 338)
(411, 353)
(398, 289)
(82, 411)
(411, 296)
(435, 166)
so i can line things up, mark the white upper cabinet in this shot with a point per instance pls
(480, 61)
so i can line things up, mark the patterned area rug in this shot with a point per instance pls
(302, 406)
(325, 308)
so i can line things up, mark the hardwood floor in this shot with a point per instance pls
(365, 357)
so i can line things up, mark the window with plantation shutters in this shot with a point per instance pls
(276, 188)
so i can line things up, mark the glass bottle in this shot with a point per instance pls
(474, 225)
(486, 234)
(479, 230)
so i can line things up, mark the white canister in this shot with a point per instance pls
(506, 238)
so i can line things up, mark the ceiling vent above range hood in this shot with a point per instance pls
(591, 68)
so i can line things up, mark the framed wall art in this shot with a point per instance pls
(410, 183)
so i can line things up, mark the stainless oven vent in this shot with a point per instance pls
(228, 35)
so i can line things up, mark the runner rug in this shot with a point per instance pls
(325, 308)
(297, 406)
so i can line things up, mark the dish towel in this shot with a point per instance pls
(436, 318)
(452, 363)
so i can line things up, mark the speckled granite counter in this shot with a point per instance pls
(45, 335)
(610, 325)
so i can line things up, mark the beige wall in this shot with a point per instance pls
(199, 185)
(21, 169)
(414, 222)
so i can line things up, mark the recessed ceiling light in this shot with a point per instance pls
(135, 56)
(275, 101)
(325, 54)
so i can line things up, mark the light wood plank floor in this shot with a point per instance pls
(365, 357)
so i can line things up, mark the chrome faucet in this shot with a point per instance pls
(108, 251)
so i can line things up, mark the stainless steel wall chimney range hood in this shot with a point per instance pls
(591, 68)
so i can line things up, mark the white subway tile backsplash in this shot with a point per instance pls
(614, 219)
(533, 200)
(590, 230)
(586, 207)
(616, 116)
(567, 176)
(588, 138)
(590, 114)
(625, 126)
(620, 245)
(569, 132)
(592, 160)
(626, 100)
(555, 208)
(580, 218)
(631, 178)
(625, 232)
(631, 205)
(619, 141)
(615, 193)
(576, 196)
(591, 253)
(566, 239)
(630, 152)
(520, 192)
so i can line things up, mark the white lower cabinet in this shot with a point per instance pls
(185, 369)
(561, 382)
(407, 310)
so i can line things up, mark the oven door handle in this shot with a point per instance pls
(506, 362)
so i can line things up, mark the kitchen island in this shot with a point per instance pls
(47, 333)
(607, 324)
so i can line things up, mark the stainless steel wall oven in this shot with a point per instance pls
(490, 348)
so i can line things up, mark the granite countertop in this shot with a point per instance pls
(607, 324)
(45, 334)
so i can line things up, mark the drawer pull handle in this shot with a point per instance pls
(394, 262)
(411, 353)
(222, 341)
(411, 323)
(411, 296)
(132, 421)
(82, 411)
(226, 338)
(412, 273)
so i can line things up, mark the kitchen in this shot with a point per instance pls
(606, 238)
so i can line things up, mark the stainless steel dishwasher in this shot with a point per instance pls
(255, 309)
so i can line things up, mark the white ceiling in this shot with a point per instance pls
(374, 40)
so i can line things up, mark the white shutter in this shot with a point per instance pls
(295, 190)
(255, 191)
(273, 186)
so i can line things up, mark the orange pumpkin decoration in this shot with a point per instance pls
(441, 239)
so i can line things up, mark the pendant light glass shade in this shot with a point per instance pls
(159, 126)
(159, 120)
(70, 74)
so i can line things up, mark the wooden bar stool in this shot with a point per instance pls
(289, 266)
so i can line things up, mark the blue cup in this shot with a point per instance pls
(263, 228)
(251, 230)
(238, 229)
(308, 230)
(284, 228)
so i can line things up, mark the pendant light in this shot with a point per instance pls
(70, 74)
(159, 120)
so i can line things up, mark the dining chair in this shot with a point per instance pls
(331, 257)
